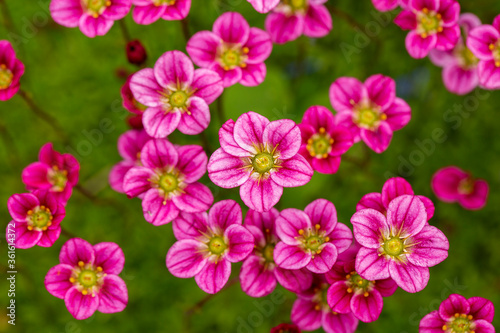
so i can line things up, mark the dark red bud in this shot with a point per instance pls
(285, 328)
(136, 53)
(135, 121)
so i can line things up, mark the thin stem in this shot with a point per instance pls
(125, 32)
(185, 28)
(345, 16)
(10, 147)
(207, 298)
(67, 233)
(220, 109)
(205, 143)
(86, 193)
(49, 119)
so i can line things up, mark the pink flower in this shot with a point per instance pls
(323, 142)
(459, 65)
(291, 19)
(285, 328)
(311, 311)
(393, 188)
(177, 95)
(232, 49)
(311, 238)
(129, 102)
(452, 184)
(433, 25)
(386, 5)
(87, 278)
(36, 219)
(401, 246)
(208, 244)
(264, 6)
(11, 70)
(371, 111)
(167, 181)
(484, 42)
(349, 292)
(261, 157)
(259, 272)
(55, 172)
(130, 145)
(458, 314)
(149, 11)
(93, 17)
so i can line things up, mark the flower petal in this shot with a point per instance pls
(202, 48)
(253, 74)
(341, 237)
(227, 142)
(323, 261)
(371, 266)
(293, 172)
(80, 306)
(249, 130)
(305, 315)
(378, 140)
(240, 241)
(192, 162)
(159, 154)
(57, 280)
(227, 171)
(294, 280)
(367, 308)
(207, 84)
(381, 90)
(76, 250)
(345, 92)
(406, 215)
(289, 223)
(284, 28)
(259, 46)
(256, 278)
(431, 323)
(158, 123)
(174, 68)
(453, 304)
(157, 210)
(223, 214)
(317, 22)
(284, 135)
(213, 277)
(109, 256)
(481, 308)
(232, 28)
(20, 204)
(260, 195)
(431, 247)
(419, 47)
(398, 114)
(66, 13)
(393, 188)
(445, 183)
(373, 201)
(409, 277)
(480, 39)
(290, 256)
(185, 259)
(113, 295)
(136, 181)
(338, 297)
(369, 226)
(196, 198)
(190, 225)
(196, 119)
(322, 213)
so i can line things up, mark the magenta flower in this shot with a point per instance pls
(261, 157)
(149, 11)
(11, 70)
(460, 75)
(452, 184)
(87, 278)
(349, 292)
(458, 314)
(393, 188)
(285, 328)
(55, 172)
(130, 145)
(311, 238)
(401, 246)
(433, 25)
(371, 111)
(208, 244)
(93, 17)
(323, 142)
(311, 311)
(259, 272)
(129, 102)
(177, 95)
(291, 19)
(484, 42)
(36, 219)
(167, 179)
(386, 5)
(233, 50)
(264, 6)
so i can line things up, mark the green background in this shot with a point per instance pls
(74, 78)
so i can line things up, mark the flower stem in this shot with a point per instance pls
(10, 146)
(205, 143)
(185, 29)
(220, 109)
(345, 16)
(124, 30)
(207, 298)
(67, 233)
(49, 119)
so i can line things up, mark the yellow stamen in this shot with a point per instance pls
(444, 327)
(349, 290)
(301, 232)
(438, 16)
(327, 239)
(84, 292)
(469, 317)
(322, 130)
(246, 50)
(30, 212)
(99, 269)
(243, 65)
(317, 307)
(366, 294)
(440, 29)
(497, 63)
(30, 227)
(108, 3)
(423, 35)
(425, 10)
(492, 47)
(325, 155)
(81, 263)
(383, 116)
(318, 252)
(317, 226)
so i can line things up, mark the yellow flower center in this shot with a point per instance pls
(429, 22)
(6, 77)
(168, 182)
(178, 99)
(40, 218)
(217, 246)
(320, 144)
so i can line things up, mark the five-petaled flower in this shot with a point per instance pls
(166, 181)
(176, 95)
(149, 11)
(261, 157)
(401, 246)
(87, 278)
(233, 49)
(11, 70)
(370, 110)
(208, 244)
(311, 238)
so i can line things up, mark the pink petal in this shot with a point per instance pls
(157, 210)
(256, 278)
(113, 295)
(20, 204)
(173, 68)
(442, 58)
(481, 308)
(409, 277)
(480, 39)
(379, 139)
(431, 323)
(323, 213)
(36, 175)
(398, 114)
(338, 297)
(66, 13)
(482, 326)
(57, 280)
(229, 77)
(369, 226)
(393, 188)
(159, 154)
(460, 81)
(343, 140)
(341, 237)
(196, 198)
(406, 215)
(419, 5)
(224, 214)
(130, 144)
(283, 134)
(50, 236)
(198, 118)
(109, 256)
(232, 28)
(147, 14)
(318, 117)
(294, 280)
(227, 142)
(468, 21)
(419, 47)
(305, 315)
(385, 5)
(249, 130)
(207, 84)
(185, 258)
(241, 243)
(260, 195)
(24, 238)
(293, 172)
(453, 304)
(322, 262)
(76, 250)
(429, 206)
(178, 11)
(339, 323)
(329, 165)
(202, 48)
(253, 74)
(259, 46)
(80, 306)
(386, 287)
(345, 120)
(288, 224)
(445, 183)
(213, 277)
(381, 90)
(284, 28)
(136, 181)
(159, 123)
(450, 11)
(406, 20)
(317, 22)
(371, 266)
(264, 6)
(367, 309)
(290, 256)
(489, 74)
(92, 27)
(371, 200)
(345, 92)
(145, 88)
(190, 225)
(431, 247)
(448, 38)
(263, 221)
(192, 162)
(227, 171)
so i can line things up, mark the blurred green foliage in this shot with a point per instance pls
(75, 79)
